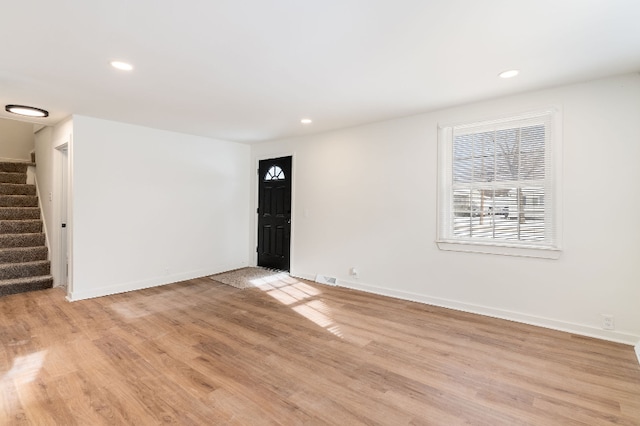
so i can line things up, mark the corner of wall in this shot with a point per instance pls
(90, 293)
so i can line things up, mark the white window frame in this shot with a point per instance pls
(550, 248)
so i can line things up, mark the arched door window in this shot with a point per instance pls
(275, 173)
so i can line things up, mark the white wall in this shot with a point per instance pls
(152, 207)
(44, 173)
(47, 140)
(16, 140)
(366, 197)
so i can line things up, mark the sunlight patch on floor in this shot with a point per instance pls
(318, 312)
(301, 298)
(269, 279)
(314, 315)
(25, 369)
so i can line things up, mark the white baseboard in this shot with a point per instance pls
(583, 330)
(638, 351)
(153, 282)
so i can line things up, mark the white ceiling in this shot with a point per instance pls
(249, 70)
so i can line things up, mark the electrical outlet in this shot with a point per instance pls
(353, 272)
(607, 322)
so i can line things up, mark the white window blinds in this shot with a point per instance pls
(497, 182)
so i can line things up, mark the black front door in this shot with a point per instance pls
(274, 213)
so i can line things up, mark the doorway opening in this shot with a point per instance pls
(62, 276)
(274, 213)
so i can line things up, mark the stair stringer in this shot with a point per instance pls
(45, 227)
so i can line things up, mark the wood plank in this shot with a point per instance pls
(296, 352)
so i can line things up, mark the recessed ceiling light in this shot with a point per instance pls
(26, 110)
(121, 65)
(509, 74)
(306, 121)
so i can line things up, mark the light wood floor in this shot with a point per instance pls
(202, 353)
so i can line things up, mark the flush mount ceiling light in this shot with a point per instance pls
(26, 110)
(123, 66)
(306, 121)
(509, 73)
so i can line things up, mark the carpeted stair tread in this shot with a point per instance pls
(23, 254)
(21, 240)
(20, 285)
(9, 271)
(24, 264)
(28, 226)
(13, 177)
(18, 213)
(17, 189)
(18, 201)
(15, 167)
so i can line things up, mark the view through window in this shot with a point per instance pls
(498, 179)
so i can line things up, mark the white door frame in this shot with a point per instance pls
(61, 249)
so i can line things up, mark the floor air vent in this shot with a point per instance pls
(323, 279)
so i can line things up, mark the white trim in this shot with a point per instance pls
(59, 261)
(583, 330)
(499, 118)
(506, 250)
(69, 144)
(152, 282)
(45, 228)
(448, 242)
(60, 145)
(308, 277)
(637, 348)
(31, 175)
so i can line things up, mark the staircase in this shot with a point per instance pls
(23, 254)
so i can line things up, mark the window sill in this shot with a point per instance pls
(504, 250)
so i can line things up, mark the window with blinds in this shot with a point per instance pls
(497, 183)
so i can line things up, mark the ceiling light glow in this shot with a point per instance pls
(509, 73)
(123, 66)
(306, 121)
(26, 110)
